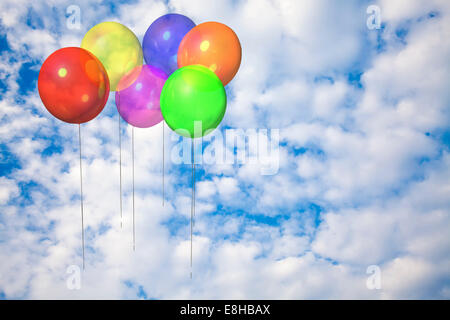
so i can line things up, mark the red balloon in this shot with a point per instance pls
(73, 85)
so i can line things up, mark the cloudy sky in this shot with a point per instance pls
(364, 176)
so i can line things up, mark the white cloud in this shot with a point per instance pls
(8, 189)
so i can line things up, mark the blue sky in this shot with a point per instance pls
(364, 161)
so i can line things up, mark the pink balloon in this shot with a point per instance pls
(137, 96)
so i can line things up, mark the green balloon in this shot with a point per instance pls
(193, 94)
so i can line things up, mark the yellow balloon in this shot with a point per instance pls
(116, 47)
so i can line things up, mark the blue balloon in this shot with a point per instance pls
(162, 39)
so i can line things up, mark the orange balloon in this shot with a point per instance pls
(213, 45)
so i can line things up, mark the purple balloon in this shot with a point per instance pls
(162, 39)
(138, 103)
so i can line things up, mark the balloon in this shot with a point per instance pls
(213, 45)
(73, 85)
(193, 93)
(162, 39)
(138, 104)
(116, 47)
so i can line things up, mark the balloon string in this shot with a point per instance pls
(132, 156)
(81, 195)
(163, 163)
(193, 195)
(193, 215)
(120, 174)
